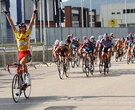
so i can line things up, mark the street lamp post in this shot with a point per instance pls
(34, 26)
(48, 13)
(41, 35)
(23, 17)
(44, 24)
(82, 12)
(60, 17)
(90, 13)
(0, 22)
(125, 13)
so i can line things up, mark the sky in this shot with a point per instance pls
(65, 0)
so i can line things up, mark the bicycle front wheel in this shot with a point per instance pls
(67, 69)
(87, 68)
(78, 61)
(27, 88)
(61, 70)
(73, 61)
(16, 88)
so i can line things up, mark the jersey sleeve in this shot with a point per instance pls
(28, 32)
(16, 32)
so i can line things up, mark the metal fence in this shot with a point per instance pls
(61, 33)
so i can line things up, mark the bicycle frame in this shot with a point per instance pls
(18, 83)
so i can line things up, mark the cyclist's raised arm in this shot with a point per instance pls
(33, 16)
(9, 19)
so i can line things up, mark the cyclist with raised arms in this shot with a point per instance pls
(23, 38)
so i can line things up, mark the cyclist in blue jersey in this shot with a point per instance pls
(106, 46)
(128, 43)
(88, 47)
(75, 43)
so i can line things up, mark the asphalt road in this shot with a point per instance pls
(115, 91)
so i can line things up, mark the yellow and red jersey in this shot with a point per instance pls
(22, 39)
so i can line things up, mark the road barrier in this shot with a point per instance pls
(41, 54)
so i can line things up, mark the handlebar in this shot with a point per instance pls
(9, 65)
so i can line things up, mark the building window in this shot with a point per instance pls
(132, 10)
(118, 12)
(75, 17)
(113, 13)
(128, 10)
(124, 11)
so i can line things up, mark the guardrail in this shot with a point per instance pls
(41, 54)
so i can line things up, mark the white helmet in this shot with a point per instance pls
(75, 38)
(62, 43)
(92, 37)
(106, 35)
(56, 42)
(100, 37)
(111, 34)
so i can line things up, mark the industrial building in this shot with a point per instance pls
(73, 17)
(118, 15)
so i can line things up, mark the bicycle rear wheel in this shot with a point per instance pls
(16, 88)
(27, 88)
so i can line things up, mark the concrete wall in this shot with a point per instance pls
(37, 56)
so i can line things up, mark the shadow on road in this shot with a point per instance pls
(8, 103)
(96, 74)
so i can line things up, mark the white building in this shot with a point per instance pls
(118, 15)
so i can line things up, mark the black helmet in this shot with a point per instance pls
(22, 25)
